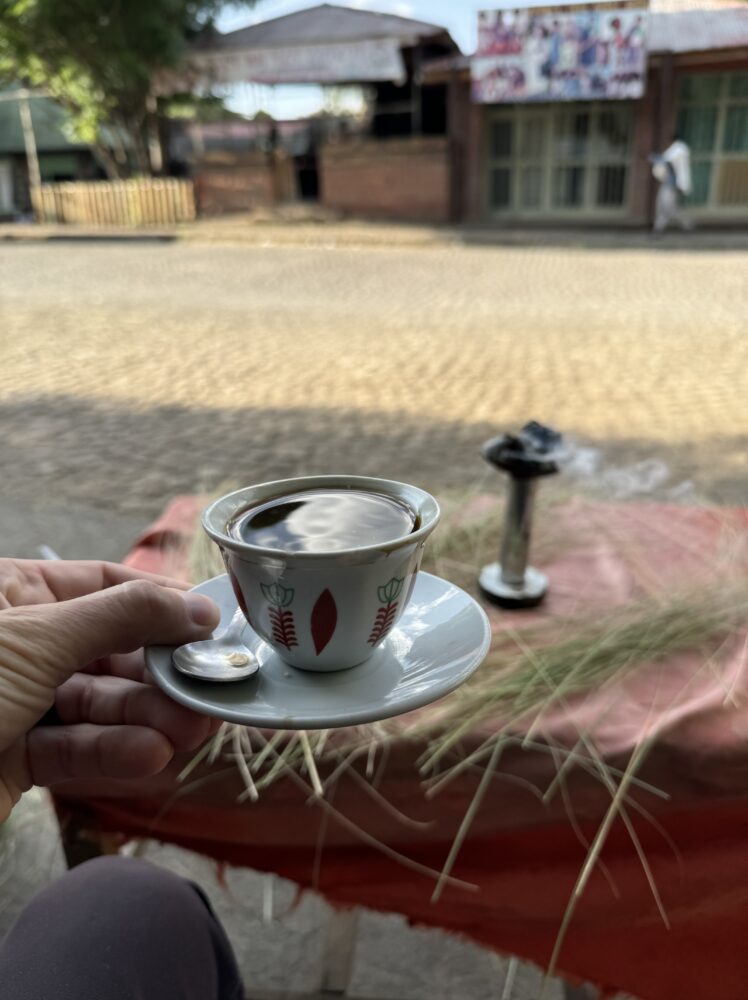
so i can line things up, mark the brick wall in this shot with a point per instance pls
(388, 178)
(239, 183)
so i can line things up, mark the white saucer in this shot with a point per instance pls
(442, 637)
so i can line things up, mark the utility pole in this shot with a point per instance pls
(155, 154)
(27, 125)
(29, 141)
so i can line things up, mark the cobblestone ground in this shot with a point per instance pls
(134, 371)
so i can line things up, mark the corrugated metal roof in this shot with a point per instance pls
(678, 6)
(698, 30)
(325, 23)
(48, 119)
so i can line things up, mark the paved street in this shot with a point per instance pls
(132, 371)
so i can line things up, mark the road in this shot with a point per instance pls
(133, 371)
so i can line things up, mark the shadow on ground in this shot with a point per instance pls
(56, 449)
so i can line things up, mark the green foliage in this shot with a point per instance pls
(98, 59)
(199, 108)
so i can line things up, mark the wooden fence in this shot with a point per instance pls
(116, 203)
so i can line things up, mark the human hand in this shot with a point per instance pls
(58, 619)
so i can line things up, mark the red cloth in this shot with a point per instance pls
(525, 855)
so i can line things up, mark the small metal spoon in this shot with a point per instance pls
(222, 658)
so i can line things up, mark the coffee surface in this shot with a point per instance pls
(324, 521)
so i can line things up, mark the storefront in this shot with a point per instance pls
(562, 161)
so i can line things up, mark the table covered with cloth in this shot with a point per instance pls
(689, 804)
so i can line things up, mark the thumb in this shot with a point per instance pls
(124, 618)
(42, 645)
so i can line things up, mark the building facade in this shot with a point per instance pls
(588, 161)
(573, 148)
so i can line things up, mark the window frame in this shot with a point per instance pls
(591, 160)
(717, 156)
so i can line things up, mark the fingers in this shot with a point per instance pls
(38, 581)
(67, 580)
(130, 665)
(72, 633)
(61, 753)
(116, 701)
(43, 645)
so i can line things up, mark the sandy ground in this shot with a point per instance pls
(134, 371)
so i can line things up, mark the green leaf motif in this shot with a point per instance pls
(391, 590)
(281, 597)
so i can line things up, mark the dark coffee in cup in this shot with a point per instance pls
(324, 520)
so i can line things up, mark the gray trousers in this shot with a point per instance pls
(118, 929)
(667, 209)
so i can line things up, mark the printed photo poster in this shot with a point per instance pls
(590, 52)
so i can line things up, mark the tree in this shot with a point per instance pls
(98, 60)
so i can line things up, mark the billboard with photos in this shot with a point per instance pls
(585, 52)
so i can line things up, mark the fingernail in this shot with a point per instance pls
(201, 609)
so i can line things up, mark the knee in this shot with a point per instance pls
(112, 865)
(114, 868)
(118, 927)
(124, 882)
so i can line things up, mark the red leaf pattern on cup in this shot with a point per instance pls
(383, 623)
(324, 620)
(281, 620)
(385, 619)
(284, 630)
(239, 597)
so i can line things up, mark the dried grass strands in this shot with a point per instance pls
(617, 804)
(637, 758)
(191, 764)
(577, 830)
(386, 805)
(606, 779)
(467, 820)
(241, 760)
(530, 683)
(310, 765)
(223, 734)
(364, 835)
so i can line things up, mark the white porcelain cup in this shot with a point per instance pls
(322, 610)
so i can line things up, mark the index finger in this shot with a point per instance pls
(77, 578)
(129, 665)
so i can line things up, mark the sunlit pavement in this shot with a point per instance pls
(131, 372)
